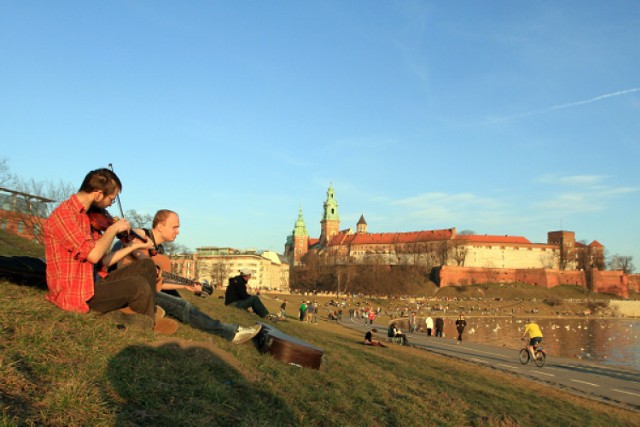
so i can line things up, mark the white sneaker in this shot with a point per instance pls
(245, 334)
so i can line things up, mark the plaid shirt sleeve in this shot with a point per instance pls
(68, 241)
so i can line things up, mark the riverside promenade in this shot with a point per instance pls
(613, 385)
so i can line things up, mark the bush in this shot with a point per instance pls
(553, 301)
(595, 305)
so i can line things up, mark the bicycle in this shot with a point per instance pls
(525, 354)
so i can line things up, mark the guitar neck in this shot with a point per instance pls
(178, 279)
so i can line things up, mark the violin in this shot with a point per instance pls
(101, 219)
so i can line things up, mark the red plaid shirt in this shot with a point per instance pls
(68, 239)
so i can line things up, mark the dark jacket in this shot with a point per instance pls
(236, 291)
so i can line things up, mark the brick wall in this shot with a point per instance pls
(613, 282)
(634, 282)
(11, 222)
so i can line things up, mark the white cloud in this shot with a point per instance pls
(589, 199)
(568, 105)
(571, 180)
(451, 209)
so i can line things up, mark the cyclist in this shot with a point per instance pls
(535, 336)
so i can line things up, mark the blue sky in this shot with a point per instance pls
(501, 117)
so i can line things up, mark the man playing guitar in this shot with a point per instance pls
(165, 228)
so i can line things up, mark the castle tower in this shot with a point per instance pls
(566, 242)
(330, 223)
(361, 226)
(300, 239)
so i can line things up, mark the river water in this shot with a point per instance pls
(614, 342)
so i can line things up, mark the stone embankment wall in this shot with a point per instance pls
(612, 282)
(626, 308)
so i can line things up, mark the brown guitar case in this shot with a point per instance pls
(287, 348)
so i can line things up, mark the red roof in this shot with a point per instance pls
(390, 238)
(596, 243)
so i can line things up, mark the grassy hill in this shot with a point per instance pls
(67, 369)
(11, 245)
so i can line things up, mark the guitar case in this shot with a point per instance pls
(24, 270)
(287, 348)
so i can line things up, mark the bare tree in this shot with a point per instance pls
(172, 248)
(6, 178)
(466, 232)
(441, 252)
(138, 220)
(219, 272)
(458, 252)
(548, 260)
(599, 260)
(621, 262)
(341, 264)
(36, 200)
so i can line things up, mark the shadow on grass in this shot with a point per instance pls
(185, 385)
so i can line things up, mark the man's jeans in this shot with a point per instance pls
(185, 312)
(254, 302)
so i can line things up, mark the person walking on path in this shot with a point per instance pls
(303, 311)
(460, 325)
(310, 312)
(372, 316)
(429, 324)
(439, 326)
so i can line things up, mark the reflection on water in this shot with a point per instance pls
(610, 341)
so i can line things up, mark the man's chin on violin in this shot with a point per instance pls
(165, 228)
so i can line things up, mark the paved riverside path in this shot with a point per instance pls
(595, 380)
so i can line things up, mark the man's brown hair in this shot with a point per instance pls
(161, 216)
(104, 180)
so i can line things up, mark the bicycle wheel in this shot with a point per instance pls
(524, 356)
(540, 359)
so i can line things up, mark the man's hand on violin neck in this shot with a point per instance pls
(121, 225)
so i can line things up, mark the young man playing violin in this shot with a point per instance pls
(165, 228)
(74, 252)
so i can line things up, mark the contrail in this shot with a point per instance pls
(574, 104)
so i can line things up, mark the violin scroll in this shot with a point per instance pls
(101, 219)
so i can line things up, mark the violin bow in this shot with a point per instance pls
(133, 233)
(117, 195)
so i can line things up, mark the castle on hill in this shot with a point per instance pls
(437, 248)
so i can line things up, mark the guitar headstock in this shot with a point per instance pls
(207, 289)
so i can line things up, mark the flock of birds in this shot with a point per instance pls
(593, 339)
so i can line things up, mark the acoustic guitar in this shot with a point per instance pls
(164, 262)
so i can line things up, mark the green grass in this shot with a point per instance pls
(65, 369)
(12, 245)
